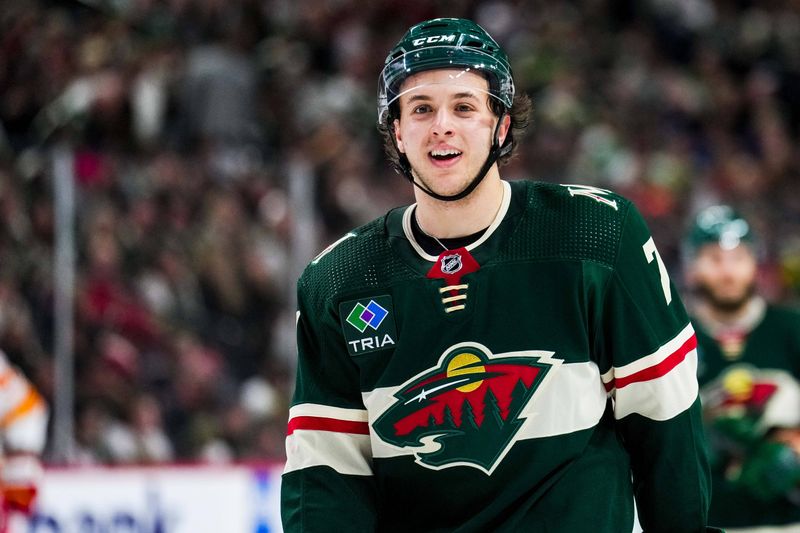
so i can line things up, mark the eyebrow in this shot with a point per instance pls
(457, 96)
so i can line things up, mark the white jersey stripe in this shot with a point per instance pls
(662, 398)
(344, 452)
(326, 411)
(558, 413)
(654, 358)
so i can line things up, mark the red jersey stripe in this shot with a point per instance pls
(319, 423)
(657, 370)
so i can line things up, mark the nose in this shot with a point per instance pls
(442, 124)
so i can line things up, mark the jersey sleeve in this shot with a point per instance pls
(649, 362)
(327, 483)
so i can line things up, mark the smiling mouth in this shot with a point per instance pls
(444, 155)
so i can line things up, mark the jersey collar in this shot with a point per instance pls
(501, 213)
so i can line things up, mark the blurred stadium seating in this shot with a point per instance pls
(186, 116)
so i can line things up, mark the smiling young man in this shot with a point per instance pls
(749, 371)
(497, 356)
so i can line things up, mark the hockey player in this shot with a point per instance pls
(498, 356)
(749, 364)
(23, 427)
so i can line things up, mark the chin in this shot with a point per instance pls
(446, 185)
(728, 303)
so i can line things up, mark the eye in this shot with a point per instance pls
(464, 108)
(420, 109)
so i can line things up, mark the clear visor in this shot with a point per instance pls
(461, 60)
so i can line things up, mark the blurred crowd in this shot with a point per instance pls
(191, 123)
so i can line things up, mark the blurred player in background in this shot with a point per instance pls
(23, 428)
(749, 363)
(498, 356)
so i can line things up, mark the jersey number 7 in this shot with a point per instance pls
(650, 252)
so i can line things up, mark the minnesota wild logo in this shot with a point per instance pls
(468, 409)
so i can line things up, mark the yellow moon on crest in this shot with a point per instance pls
(456, 367)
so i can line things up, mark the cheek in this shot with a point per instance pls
(406, 135)
(738, 268)
(483, 128)
(704, 270)
(486, 123)
(747, 271)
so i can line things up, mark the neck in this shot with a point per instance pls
(744, 318)
(469, 215)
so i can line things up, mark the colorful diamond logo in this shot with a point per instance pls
(363, 316)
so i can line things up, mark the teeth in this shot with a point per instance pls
(446, 152)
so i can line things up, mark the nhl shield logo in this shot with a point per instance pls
(468, 409)
(451, 263)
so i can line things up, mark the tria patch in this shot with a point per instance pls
(368, 324)
(468, 409)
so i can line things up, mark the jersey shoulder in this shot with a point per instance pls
(563, 221)
(783, 317)
(362, 259)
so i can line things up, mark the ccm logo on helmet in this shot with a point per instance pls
(434, 39)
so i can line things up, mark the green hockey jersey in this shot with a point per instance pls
(747, 370)
(536, 380)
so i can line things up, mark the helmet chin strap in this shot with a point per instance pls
(494, 154)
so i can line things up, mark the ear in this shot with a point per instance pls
(690, 276)
(505, 126)
(398, 136)
(690, 273)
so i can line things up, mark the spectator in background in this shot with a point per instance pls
(219, 94)
(749, 367)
